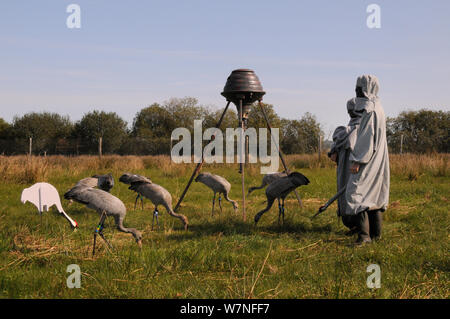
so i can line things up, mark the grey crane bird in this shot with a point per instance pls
(219, 185)
(104, 182)
(158, 195)
(279, 189)
(267, 180)
(106, 205)
(128, 178)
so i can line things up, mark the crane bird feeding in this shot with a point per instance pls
(158, 195)
(267, 180)
(219, 185)
(279, 189)
(128, 178)
(106, 205)
(44, 196)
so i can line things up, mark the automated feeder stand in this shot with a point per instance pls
(243, 88)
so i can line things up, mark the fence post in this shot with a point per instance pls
(401, 144)
(320, 145)
(30, 146)
(100, 142)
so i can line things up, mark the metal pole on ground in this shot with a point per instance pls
(100, 142)
(242, 157)
(199, 165)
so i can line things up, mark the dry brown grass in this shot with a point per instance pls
(23, 169)
(309, 161)
(411, 165)
(26, 170)
(415, 165)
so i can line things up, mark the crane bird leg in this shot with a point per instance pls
(107, 242)
(135, 201)
(155, 215)
(93, 249)
(220, 203)
(142, 201)
(98, 230)
(280, 212)
(213, 203)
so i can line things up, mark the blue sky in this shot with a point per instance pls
(307, 54)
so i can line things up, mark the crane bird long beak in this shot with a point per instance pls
(139, 242)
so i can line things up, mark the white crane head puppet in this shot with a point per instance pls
(44, 196)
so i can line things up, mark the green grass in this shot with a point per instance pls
(223, 256)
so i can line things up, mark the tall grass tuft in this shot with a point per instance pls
(26, 170)
(413, 166)
(23, 169)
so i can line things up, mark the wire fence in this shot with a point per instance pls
(77, 146)
(128, 146)
(159, 146)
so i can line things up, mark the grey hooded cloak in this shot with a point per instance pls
(369, 188)
(344, 138)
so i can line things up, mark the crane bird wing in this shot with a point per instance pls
(128, 178)
(286, 184)
(87, 182)
(270, 178)
(75, 194)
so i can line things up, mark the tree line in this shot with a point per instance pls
(422, 131)
(149, 133)
(51, 133)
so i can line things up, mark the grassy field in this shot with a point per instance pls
(223, 256)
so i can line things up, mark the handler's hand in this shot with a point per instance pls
(354, 168)
(333, 157)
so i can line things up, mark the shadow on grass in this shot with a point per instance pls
(238, 227)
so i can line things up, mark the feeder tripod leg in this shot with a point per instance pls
(242, 157)
(279, 150)
(199, 165)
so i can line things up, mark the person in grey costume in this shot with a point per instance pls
(344, 138)
(367, 191)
